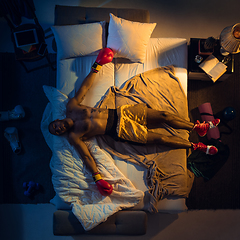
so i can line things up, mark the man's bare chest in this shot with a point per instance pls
(78, 114)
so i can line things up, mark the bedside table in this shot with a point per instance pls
(195, 72)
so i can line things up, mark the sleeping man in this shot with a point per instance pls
(128, 122)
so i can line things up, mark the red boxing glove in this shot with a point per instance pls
(104, 56)
(104, 187)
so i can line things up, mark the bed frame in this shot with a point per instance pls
(68, 15)
(123, 222)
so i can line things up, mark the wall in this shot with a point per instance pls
(175, 18)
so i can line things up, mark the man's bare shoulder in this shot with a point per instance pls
(74, 137)
(72, 102)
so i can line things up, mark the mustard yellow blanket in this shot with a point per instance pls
(167, 172)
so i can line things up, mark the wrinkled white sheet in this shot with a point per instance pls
(74, 183)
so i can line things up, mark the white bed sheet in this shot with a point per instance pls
(71, 72)
(160, 52)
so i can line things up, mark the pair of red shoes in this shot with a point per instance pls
(202, 129)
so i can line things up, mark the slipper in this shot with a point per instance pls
(11, 134)
(16, 113)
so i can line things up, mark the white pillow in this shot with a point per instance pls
(129, 39)
(79, 40)
(58, 100)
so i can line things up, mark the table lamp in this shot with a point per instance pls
(230, 39)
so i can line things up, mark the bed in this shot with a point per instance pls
(144, 69)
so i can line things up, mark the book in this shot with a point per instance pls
(28, 49)
(213, 68)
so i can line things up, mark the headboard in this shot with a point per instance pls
(68, 15)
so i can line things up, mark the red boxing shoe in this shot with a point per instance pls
(202, 128)
(208, 149)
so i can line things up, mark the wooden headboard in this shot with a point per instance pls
(69, 15)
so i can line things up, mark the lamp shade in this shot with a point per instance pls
(230, 38)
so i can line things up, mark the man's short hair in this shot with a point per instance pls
(51, 124)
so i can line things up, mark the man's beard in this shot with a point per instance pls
(66, 125)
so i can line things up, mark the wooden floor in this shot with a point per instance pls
(32, 164)
(18, 87)
(223, 190)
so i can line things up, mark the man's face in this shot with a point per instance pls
(58, 127)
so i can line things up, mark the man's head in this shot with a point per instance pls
(59, 127)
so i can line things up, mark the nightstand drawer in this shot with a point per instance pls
(204, 77)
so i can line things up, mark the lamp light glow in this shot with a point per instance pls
(230, 39)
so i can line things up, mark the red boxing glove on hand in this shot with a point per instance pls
(104, 187)
(104, 56)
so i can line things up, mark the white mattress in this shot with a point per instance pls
(160, 52)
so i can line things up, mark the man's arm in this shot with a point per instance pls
(83, 151)
(86, 85)
(104, 56)
(104, 187)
